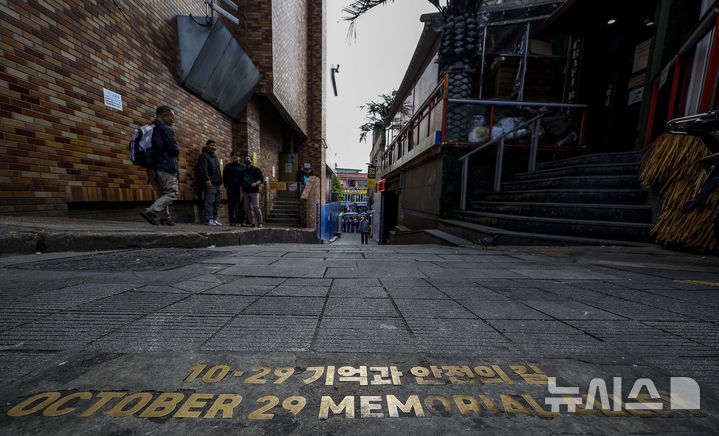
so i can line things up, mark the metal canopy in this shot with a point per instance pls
(213, 65)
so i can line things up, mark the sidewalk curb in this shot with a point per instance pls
(30, 242)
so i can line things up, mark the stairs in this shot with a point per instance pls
(585, 200)
(285, 210)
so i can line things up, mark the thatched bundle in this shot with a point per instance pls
(674, 167)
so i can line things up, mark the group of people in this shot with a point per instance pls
(241, 179)
(354, 224)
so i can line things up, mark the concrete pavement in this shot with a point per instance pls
(350, 339)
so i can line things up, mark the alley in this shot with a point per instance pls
(289, 338)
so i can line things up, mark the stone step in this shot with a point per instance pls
(602, 196)
(613, 230)
(592, 159)
(482, 235)
(582, 170)
(575, 182)
(579, 211)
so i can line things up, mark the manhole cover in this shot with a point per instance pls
(155, 259)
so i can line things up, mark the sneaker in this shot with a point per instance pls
(217, 223)
(167, 222)
(211, 223)
(150, 217)
(259, 226)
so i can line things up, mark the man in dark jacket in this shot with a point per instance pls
(251, 192)
(164, 175)
(209, 176)
(232, 177)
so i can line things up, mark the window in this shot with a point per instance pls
(351, 183)
(362, 183)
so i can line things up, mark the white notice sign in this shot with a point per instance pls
(112, 99)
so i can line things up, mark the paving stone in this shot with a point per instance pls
(416, 292)
(350, 335)
(472, 292)
(705, 333)
(265, 333)
(299, 306)
(571, 310)
(637, 311)
(358, 283)
(195, 285)
(66, 297)
(211, 304)
(432, 309)
(371, 292)
(14, 317)
(360, 307)
(63, 331)
(454, 336)
(307, 282)
(161, 289)
(15, 365)
(501, 310)
(522, 294)
(640, 339)
(132, 303)
(164, 332)
(300, 291)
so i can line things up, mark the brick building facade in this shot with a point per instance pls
(64, 152)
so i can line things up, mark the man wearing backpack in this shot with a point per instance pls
(209, 177)
(164, 174)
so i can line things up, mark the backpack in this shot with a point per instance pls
(142, 153)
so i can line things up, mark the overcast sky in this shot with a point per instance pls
(372, 64)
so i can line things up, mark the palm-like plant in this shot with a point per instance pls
(459, 48)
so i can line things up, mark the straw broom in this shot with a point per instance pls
(674, 167)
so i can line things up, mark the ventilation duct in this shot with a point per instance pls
(213, 66)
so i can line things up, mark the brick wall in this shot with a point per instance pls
(289, 69)
(59, 143)
(61, 147)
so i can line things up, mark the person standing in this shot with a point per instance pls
(300, 180)
(208, 173)
(232, 177)
(364, 227)
(251, 193)
(164, 175)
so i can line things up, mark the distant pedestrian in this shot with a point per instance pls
(164, 175)
(232, 177)
(251, 193)
(364, 228)
(209, 176)
(300, 180)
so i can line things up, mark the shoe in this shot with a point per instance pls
(211, 223)
(150, 217)
(259, 226)
(167, 222)
(217, 223)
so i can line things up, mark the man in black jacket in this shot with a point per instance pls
(251, 192)
(209, 176)
(232, 177)
(164, 175)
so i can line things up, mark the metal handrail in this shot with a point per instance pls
(487, 144)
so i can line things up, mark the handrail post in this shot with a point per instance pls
(465, 170)
(533, 147)
(498, 166)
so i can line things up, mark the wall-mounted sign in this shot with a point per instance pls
(112, 99)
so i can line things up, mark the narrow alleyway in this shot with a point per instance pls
(276, 339)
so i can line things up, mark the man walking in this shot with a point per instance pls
(251, 192)
(364, 228)
(164, 175)
(208, 173)
(232, 177)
